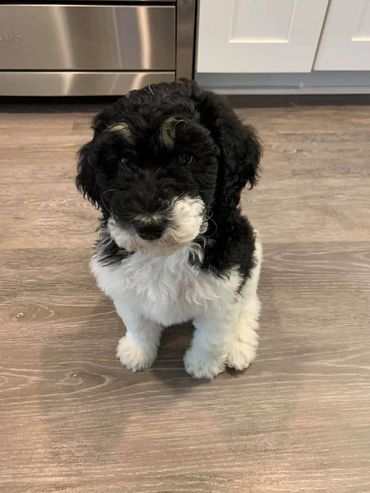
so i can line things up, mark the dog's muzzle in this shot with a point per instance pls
(163, 232)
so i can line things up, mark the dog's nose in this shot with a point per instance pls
(150, 230)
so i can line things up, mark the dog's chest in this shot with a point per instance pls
(167, 289)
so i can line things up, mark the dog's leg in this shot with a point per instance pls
(244, 347)
(213, 338)
(138, 349)
(229, 339)
(226, 333)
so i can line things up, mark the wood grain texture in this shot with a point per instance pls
(73, 420)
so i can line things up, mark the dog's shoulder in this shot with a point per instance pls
(230, 246)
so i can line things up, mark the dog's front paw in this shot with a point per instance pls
(133, 356)
(241, 355)
(200, 364)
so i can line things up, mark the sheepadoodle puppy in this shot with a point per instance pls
(166, 167)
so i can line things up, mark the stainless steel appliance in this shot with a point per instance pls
(100, 48)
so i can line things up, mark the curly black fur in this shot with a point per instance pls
(140, 173)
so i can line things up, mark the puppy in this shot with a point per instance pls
(166, 167)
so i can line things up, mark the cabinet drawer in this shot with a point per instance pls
(85, 37)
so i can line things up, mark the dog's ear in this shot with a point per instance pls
(86, 181)
(240, 148)
(89, 175)
(240, 154)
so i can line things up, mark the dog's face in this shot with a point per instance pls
(157, 176)
(154, 170)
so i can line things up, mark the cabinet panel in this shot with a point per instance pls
(248, 36)
(345, 43)
(250, 21)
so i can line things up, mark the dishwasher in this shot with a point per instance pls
(94, 48)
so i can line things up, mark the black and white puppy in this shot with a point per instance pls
(166, 167)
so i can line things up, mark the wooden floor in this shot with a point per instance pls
(73, 420)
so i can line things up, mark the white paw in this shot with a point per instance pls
(199, 364)
(133, 356)
(241, 355)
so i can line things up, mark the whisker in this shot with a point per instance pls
(102, 198)
(209, 218)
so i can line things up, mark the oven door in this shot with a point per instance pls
(85, 50)
(87, 37)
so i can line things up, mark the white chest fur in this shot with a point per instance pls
(168, 289)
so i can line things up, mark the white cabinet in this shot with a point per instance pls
(251, 36)
(345, 41)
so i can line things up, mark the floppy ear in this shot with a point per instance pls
(109, 130)
(240, 153)
(86, 180)
(240, 148)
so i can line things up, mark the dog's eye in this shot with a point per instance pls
(122, 163)
(185, 159)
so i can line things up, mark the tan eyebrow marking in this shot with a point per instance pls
(167, 133)
(123, 129)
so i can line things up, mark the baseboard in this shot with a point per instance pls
(271, 84)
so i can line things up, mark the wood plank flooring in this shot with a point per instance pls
(298, 420)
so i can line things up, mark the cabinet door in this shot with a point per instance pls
(259, 35)
(345, 43)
